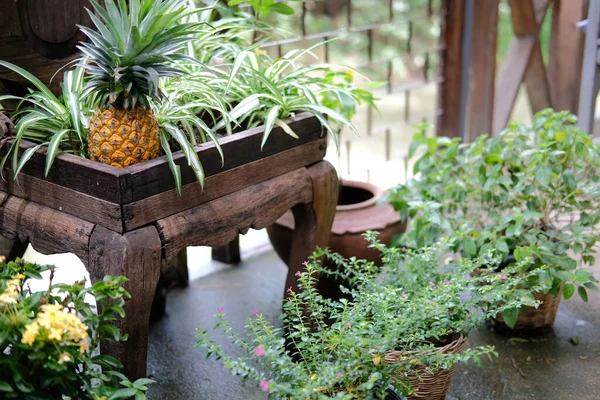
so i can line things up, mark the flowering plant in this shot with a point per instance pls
(48, 338)
(329, 349)
(531, 191)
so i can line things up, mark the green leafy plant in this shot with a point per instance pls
(336, 349)
(265, 7)
(530, 193)
(49, 338)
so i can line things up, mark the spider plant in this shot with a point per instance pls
(43, 118)
(275, 89)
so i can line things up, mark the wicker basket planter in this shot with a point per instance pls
(425, 384)
(532, 320)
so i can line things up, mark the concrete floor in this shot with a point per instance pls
(549, 367)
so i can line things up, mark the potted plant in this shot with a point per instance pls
(430, 307)
(50, 338)
(400, 326)
(531, 192)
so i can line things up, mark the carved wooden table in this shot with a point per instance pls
(132, 222)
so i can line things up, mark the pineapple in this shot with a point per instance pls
(132, 48)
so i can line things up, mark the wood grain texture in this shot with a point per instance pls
(538, 90)
(9, 19)
(148, 210)
(452, 17)
(217, 222)
(78, 173)
(48, 230)
(66, 200)
(482, 69)
(517, 61)
(135, 255)
(154, 176)
(566, 53)
(313, 221)
(523, 17)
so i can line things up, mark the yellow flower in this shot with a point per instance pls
(30, 334)
(11, 292)
(64, 357)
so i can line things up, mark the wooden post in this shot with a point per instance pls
(228, 254)
(566, 53)
(136, 255)
(313, 221)
(449, 99)
(482, 69)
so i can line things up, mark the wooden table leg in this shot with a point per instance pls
(313, 220)
(136, 255)
(228, 254)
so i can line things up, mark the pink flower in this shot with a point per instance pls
(446, 281)
(503, 277)
(220, 310)
(404, 249)
(255, 313)
(431, 284)
(339, 375)
(264, 385)
(289, 290)
(305, 263)
(297, 273)
(259, 351)
(404, 295)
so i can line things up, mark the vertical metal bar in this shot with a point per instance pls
(390, 74)
(370, 45)
(426, 67)
(406, 105)
(279, 50)
(410, 36)
(388, 144)
(466, 62)
(589, 75)
(348, 157)
(303, 19)
(326, 48)
(391, 10)
(349, 15)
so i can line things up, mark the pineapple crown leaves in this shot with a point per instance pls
(133, 47)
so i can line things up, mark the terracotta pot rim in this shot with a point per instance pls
(369, 187)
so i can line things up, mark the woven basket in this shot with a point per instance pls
(533, 319)
(426, 385)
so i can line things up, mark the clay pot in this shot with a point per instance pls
(356, 213)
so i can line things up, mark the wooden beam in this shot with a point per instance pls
(566, 53)
(217, 222)
(148, 210)
(536, 83)
(452, 16)
(517, 61)
(482, 69)
(523, 17)
(47, 230)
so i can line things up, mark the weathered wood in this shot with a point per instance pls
(228, 254)
(511, 75)
(148, 210)
(154, 176)
(517, 60)
(313, 221)
(536, 83)
(566, 55)
(135, 255)
(217, 222)
(123, 186)
(482, 69)
(523, 17)
(48, 230)
(41, 36)
(69, 201)
(452, 17)
(78, 173)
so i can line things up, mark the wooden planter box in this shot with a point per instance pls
(131, 221)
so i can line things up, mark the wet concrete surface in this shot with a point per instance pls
(547, 367)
